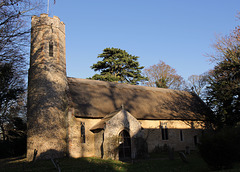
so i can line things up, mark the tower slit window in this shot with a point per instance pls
(51, 49)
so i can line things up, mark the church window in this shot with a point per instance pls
(181, 135)
(51, 49)
(82, 138)
(164, 131)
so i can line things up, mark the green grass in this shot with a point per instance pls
(156, 162)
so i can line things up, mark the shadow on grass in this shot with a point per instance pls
(92, 164)
(66, 164)
(160, 164)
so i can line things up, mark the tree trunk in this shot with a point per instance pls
(3, 132)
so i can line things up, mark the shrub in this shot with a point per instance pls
(160, 149)
(220, 149)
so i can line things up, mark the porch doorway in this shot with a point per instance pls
(124, 141)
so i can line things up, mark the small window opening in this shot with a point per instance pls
(51, 49)
(195, 140)
(164, 131)
(181, 135)
(82, 132)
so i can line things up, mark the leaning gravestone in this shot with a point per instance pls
(183, 157)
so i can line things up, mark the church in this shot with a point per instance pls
(88, 118)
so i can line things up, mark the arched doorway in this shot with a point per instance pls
(124, 141)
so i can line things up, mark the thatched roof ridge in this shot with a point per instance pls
(96, 99)
(117, 85)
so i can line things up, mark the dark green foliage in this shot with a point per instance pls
(118, 66)
(224, 90)
(162, 83)
(16, 139)
(221, 149)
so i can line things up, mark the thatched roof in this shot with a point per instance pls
(96, 99)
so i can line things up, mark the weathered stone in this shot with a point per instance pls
(47, 86)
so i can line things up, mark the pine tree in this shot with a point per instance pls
(118, 66)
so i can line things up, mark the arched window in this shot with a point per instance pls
(124, 141)
(82, 138)
(51, 49)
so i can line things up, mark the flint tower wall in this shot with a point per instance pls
(47, 89)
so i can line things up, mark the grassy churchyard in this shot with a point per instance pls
(156, 162)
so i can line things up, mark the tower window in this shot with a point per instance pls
(51, 49)
(82, 138)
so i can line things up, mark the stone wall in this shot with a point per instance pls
(76, 147)
(98, 143)
(104, 144)
(190, 131)
(47, 88)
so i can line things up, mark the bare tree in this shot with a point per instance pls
(197, 83)
(11, 89)
(163, 76)
(14, 52)
(15, 30)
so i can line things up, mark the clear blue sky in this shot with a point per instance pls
(178, 32)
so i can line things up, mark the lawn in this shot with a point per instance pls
(159, 163)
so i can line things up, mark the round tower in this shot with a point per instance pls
(47, 85)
